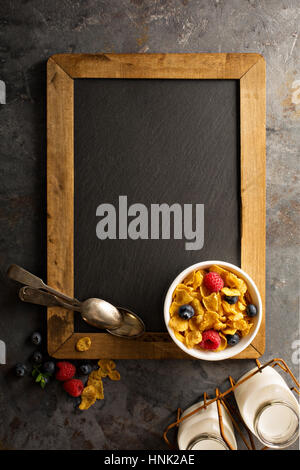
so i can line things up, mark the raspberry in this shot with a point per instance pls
(66, 371)
(210, 340)
(73, 387)
(213, 282)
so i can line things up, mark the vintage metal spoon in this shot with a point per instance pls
(96, 312)
(131, 325)
(19, 274)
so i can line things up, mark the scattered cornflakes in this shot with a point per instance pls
(94, 389)
(211, 311)
(83, 344)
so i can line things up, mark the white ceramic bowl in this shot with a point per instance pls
(230, 351)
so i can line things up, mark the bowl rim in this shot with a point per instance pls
(212, 355)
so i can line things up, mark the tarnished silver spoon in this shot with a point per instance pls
(19, 274)
(96, 312)
(131, 325)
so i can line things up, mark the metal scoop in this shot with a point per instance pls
(96, 312)
(131, 325)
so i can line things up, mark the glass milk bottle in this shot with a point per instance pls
(269, 408)
(201, 431)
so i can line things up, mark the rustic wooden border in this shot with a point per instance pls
(62, 69)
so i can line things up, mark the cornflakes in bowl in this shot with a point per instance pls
(213, 310)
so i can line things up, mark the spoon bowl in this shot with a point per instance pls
(101, 314)
(132, 325)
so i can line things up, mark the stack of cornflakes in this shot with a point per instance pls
(211, 311)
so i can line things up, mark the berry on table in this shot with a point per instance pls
(36, 338)
(73, 387)
(66, 371)
(232, 340)
(186, 312)
(85, 369)
(49, 367)
(20, 370)
(251, 310)
(210, 340)
(213, 282)
(231, 299)
(37, 357)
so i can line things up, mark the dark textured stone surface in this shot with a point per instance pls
(135, 410)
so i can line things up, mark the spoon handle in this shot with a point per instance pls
(25, 277)
(38, 297)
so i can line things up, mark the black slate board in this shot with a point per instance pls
(156, 141)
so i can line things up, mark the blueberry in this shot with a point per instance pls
(85, 369)
(231, 299)
(251, 310)
(20, 370)
(37, 357)
(49, 367)
(36, 338)
(232, 339)
(186, 312)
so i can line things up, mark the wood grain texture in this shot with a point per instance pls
(203, 66)
(253, 181)
(149, 346)
(62, 69)
(60, 199)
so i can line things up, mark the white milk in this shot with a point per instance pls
(201, 431)
(269, 408)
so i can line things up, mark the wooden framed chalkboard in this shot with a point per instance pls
(138, 130)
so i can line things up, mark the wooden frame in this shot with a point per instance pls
(62, 69)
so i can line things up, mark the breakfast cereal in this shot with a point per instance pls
(215, 302)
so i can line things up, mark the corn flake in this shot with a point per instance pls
(179, 336)
(192, 338)
(88, 397)
(198, 308)
(174, 308)
(223, 344)
(98, 385)
(178, 324)
(211, 302)
(83, 344)
(230, 292)
(106, 365)
(114, 375)
(182, 296)
(234, 281)
(204, 291)
(221, 271)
